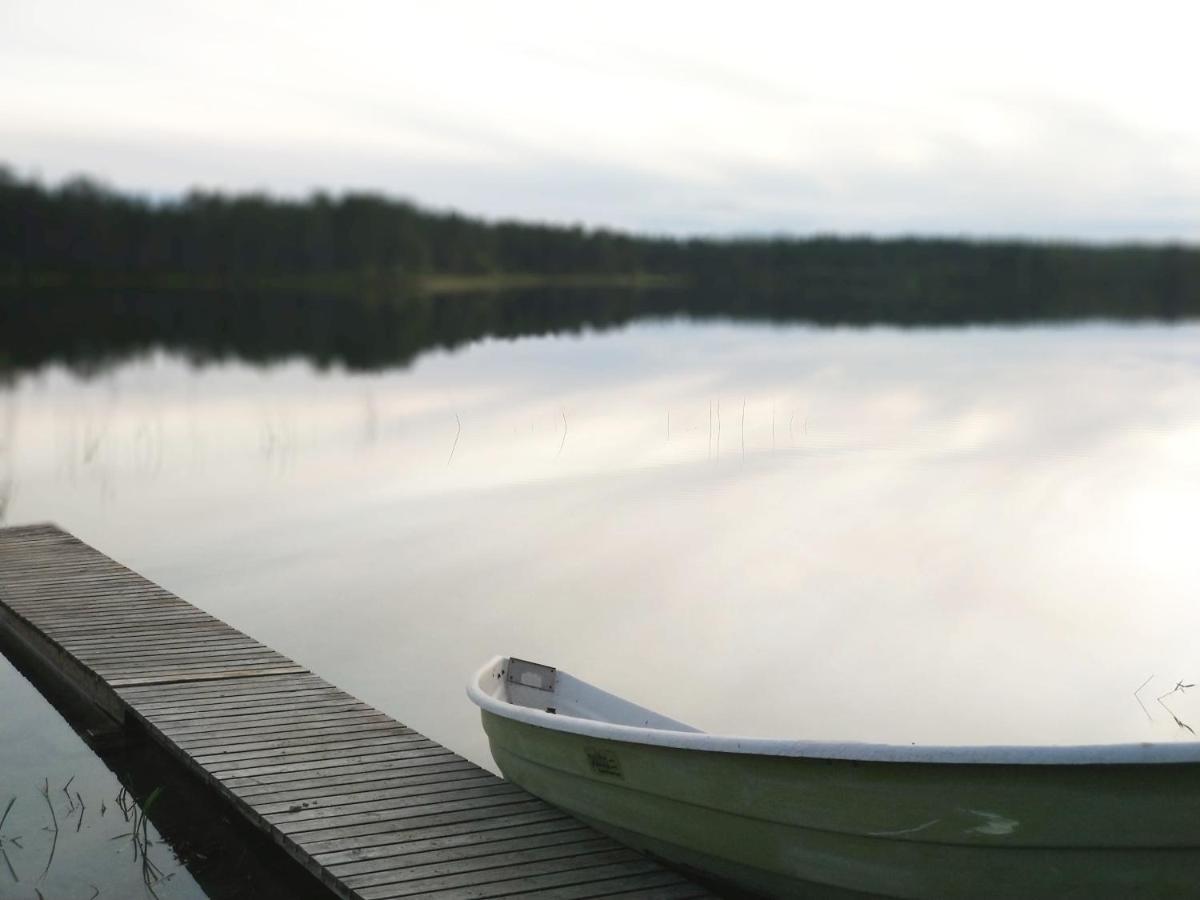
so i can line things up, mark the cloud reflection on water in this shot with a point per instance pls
(964, 535)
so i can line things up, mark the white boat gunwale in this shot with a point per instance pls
(681, 738)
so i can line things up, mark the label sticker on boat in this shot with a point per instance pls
(603, 762)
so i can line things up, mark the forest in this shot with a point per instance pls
(80, 234)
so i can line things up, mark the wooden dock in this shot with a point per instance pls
(371, 807)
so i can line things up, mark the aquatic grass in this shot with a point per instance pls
(150, 872)
(136, 815)
(457, 434)
(1179, 688)
(74, 803)
(14, 841)
(1136, 697)
(45, 791)
(139, 834)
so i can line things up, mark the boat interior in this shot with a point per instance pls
(535, 686)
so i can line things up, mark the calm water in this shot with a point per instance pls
(944, 535)
(69, 830)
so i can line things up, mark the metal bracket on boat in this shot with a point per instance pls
(530, 674)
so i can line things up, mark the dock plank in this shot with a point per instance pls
(503, 881)
(372, 807)
(540, 834)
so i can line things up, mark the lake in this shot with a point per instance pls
(967, 534)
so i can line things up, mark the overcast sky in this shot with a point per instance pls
(1041, 119)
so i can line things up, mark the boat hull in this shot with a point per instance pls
(781, 825)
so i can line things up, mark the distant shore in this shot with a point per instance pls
(81, 236)
(346, 283)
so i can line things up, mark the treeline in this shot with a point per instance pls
(81, 235)
(86, 233)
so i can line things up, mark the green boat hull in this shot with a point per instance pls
(791, 826)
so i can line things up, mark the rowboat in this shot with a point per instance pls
(791, 818)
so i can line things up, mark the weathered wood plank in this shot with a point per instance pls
(382, 829)
(213, 648)
(649, 886)
(157, 646)
(273, 724)
(365, 779)
(65, 604)
(279, 726)
(288, 731)
(258, 743)
(376, 770)
(275, 740)
(541, 834)
(262, 685)
(342, 799)
(129, 664)
(243, 754)
(304, 736)
(181, 628)
(364, 838)
(129, 620)
(500, 881)
(155, 696)
(526, 826)
(181, 675)
(135, 628)
(483, 868)
(298, 820)
(59, 598)
(329, 703)
(298, 716)
(81, 577)
(331, 761)
(127, 669)
(126, 665)
(251, 701)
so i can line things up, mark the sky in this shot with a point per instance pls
(1047, 119)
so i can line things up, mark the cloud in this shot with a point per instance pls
(781, 120)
